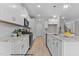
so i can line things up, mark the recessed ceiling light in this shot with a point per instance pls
(38, 6)
(62, 17)
(38, 15)
(54, 16)
(66, 6)
(14, 6)
(23, 15)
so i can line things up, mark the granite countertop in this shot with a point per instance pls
(65, 39)
(72, 39)
(11, 39)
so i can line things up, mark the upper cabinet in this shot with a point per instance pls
(53, 25)
(54, 20)
(13, 12)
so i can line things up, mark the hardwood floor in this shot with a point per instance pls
(39, 48)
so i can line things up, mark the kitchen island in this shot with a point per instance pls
(62, 46)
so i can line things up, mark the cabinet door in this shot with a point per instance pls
(59, 47)
(24, 45)
(16, 47)
(5, 49)
(52, 45)
(17, 50)
(22, 48)
(55, 47)
(71, 48)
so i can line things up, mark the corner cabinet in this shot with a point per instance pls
(54, 45)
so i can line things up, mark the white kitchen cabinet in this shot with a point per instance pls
(53, 28)
(54, 45)
(63, 47)
(14, 46)
(24, 45)
(5, 49)
(49, 44)
(21, 46)
(71, 48)
(60, 47)
(22, 49)
(53, 25)
(17, 49)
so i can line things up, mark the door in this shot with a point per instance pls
(40, 28)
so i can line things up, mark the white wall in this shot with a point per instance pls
(7, 12)
(38, 27)
(6, 29)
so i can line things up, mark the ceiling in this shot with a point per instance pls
(46, 10)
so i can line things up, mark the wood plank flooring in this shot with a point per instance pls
(39, 48)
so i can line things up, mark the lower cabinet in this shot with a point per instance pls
(24, 45)
(5, 49)
(21, 46)
(60, 47)
(71, 48)
(17, 50)
(54, 45)
(10, 48)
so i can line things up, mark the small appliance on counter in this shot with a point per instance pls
(16, 33)
(26, 22)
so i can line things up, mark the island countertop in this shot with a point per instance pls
(65, 39)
